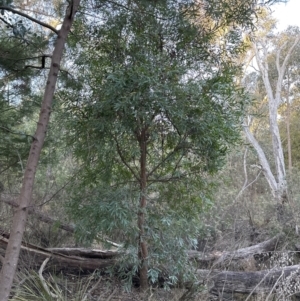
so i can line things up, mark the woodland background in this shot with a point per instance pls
(173, 142)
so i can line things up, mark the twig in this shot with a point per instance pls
(15, 133)
(94, 286)
(43, 281)
(124, 160)
(257, 285)
(282, 273)
(111, 295)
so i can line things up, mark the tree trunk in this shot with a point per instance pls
(277, 181)
(24, 200)
(143, 249)
(288, 123)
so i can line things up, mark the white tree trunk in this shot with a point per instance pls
(277, 180)
(263, 160)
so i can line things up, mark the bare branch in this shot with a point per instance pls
(263, 160)
(8, 8)
(281, 69)
(8, 24)
(15, 133)
(43, 281)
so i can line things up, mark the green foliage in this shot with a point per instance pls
(19, 97)
(159, 69)
(166, 69)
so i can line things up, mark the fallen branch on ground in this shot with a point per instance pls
(223, 258)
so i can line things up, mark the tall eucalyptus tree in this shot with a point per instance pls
(271, 50)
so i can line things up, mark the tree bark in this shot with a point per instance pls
(288, 123)
(263, 160)
(277, 181)
(67, 259)
(228, 282)
(24, 200)
(143, 248)
(222, 258)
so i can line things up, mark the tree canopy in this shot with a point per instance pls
(149, 102)
(151, 113)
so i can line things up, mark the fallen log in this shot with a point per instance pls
(219, 282)
(223, 258)
(228, 282)
(82, 252)
(216, 258)
(266, 246)
(52, 221)
(212, 259)
(86, 261)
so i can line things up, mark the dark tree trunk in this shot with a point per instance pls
(143, 249)
(24, 201)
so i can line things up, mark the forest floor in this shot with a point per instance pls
(109, 289)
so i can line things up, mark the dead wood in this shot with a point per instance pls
(82, 252)
(246, 282)
(89, 260)
(222, 258)
(211, 259)
(218, 281)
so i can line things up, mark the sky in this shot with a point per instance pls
(287, 14)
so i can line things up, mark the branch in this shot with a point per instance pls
(124, 161)
(29, 18)
(35, 67)
(15, 133)
(263, 160)
(28, 58)
(246, 175)
(263, 68)
(177, 147)
(8, 24)
(43, 281)
(41, 216)
(281, 69)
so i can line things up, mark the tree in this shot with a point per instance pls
(25, 47)
(24, 201)
(289, 91)
(263, 48)
(152, 112)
